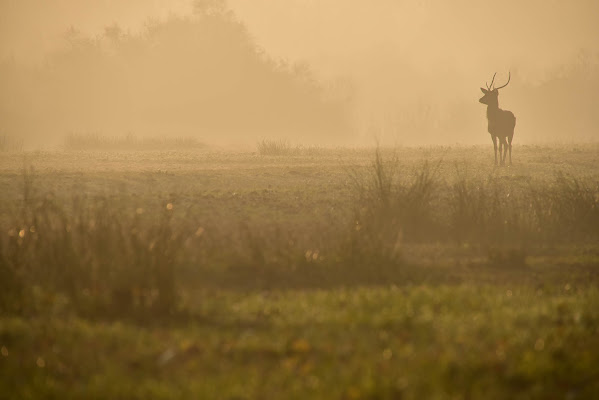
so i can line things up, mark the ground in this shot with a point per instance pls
(279, 310)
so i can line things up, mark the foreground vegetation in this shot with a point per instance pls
(407, 273)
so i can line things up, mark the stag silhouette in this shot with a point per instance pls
(501, 122)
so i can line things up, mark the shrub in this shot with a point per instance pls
(276, 147)
(96, 141)
(389, 200)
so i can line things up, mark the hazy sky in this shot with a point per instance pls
(379, 44)
(342, 36)
(31, 28)
(394, 52)
(466, 33)
(406, 52)
(435, 40)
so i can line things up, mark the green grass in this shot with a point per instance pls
(346, 273)
(412, 341)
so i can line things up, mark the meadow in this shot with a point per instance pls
(299, 272)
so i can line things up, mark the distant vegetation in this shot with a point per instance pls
(95, 141)
(282, 147)
(10, 143)
(199, 76)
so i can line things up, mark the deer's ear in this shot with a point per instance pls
(485, 91)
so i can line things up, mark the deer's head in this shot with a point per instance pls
(491, 94)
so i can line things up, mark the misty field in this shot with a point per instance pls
(300, 272)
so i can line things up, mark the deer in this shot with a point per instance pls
(501, 122)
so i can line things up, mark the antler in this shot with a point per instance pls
(508, 81)
(490, 87)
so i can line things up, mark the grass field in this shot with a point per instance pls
(408, 273)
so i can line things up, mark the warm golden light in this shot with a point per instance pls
(340, 72)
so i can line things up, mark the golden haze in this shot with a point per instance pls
(344, 72)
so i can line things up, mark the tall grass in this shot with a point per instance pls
(496, 211)
(395, 205)
(99, 256)
(103, 256)
(280, 147)
(10, 143)
(90, 254)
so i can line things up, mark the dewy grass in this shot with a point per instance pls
(312, 283)
(104, 257)
(419, 341)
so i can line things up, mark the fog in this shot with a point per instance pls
(340, 71)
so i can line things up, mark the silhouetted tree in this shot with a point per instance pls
(199, 75)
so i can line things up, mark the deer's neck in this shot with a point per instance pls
(492, 109)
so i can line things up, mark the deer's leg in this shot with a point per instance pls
(510, 147)
(495, 147)
(503, 146)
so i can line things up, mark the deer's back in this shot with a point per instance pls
(501, 122)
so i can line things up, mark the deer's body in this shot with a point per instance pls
(501, 122)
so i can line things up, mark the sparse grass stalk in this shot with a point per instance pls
(11, 143)
(272, 147)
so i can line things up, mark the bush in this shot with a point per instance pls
(278, 147)
(391, 208)
(96, 141)
(181, 75)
